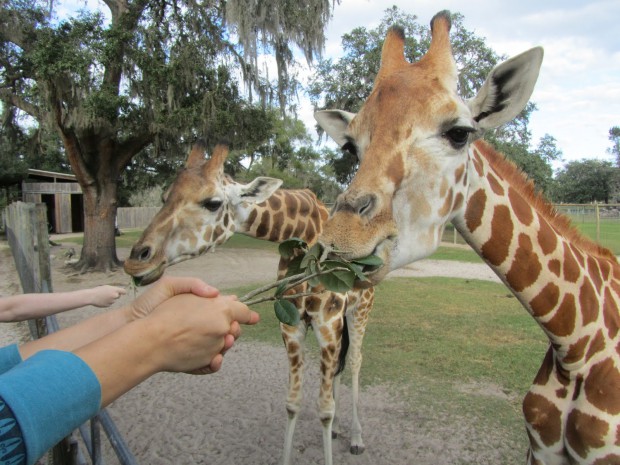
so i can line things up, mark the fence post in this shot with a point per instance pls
(598, 223)
(26, 230)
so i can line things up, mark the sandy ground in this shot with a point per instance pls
(237, 416)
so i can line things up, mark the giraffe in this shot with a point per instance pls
(203, 208)
(423, 166)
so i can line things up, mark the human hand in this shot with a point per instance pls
(104, 296)
(195, 332)
(163, 290)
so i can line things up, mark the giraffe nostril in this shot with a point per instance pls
(365, 204)
(140, 253)
(145, 254)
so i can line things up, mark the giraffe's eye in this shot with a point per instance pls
(458, 136)
(211, 204)
(350, 147)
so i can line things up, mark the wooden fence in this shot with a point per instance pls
(135, 217)
(26, 230)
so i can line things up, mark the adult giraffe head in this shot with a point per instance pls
(199, 212)
(412, 137)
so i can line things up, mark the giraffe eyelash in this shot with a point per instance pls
(211, 204)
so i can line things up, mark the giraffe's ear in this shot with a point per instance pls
(257, 191)
(335, 123)
(506, 90)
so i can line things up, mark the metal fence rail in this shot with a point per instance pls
(599, 222)
(26, 228)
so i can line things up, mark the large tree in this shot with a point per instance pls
(586, 181)
(142, 74)
(346, 83)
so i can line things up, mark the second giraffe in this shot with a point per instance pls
(202, 209)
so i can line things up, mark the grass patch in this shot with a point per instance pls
(609, 233)
(451, 346)
(459, 254)
(444, 328)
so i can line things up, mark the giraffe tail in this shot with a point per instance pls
(344, 346)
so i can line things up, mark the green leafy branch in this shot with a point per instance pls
(310, 264)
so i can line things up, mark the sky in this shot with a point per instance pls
(578, 89)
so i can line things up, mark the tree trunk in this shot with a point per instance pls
(99, 248)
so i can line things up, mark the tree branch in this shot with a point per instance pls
(15, 100)
(290, 282)
(288, 297)
(14, 29)
(131, 146)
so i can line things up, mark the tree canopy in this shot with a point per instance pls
(586, 181)
(146, 74)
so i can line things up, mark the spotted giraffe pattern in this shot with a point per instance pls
(571, 287)
(422, 166)
(270, 220)
(202, 209)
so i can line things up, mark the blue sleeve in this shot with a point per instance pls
(50, 394)
(9, 357)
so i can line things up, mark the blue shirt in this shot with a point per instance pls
(50, 394)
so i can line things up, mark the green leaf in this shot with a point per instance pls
(313, 268)
(294, 266)
(357, 269)
(338, 281)
(312, 255)
(306, 261)
(280, 289)
(286, 312)
(371, 260)
(287, 248)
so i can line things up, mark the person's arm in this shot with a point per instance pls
(26, 306)
(102, 324)
(183, 333)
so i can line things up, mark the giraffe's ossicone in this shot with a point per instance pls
(422, 166)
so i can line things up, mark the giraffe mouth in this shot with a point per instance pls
(376, 273)
(150, 277)
(156, 273)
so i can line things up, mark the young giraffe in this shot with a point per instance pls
(202, 209)
(420, 168)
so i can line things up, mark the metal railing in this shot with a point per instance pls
(599, 222)
(29, 241)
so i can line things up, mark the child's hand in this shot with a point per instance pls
(104, 296)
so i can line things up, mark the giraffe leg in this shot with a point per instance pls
(357, 319)
(293, 340)
(327, 404)
(330, 350)
(336, 421)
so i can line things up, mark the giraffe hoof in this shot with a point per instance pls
(357, 450)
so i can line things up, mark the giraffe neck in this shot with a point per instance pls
(286, 214)
(566, 282)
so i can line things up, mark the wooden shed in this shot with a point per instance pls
(63, 196)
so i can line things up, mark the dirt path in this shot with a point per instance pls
(237, 416)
